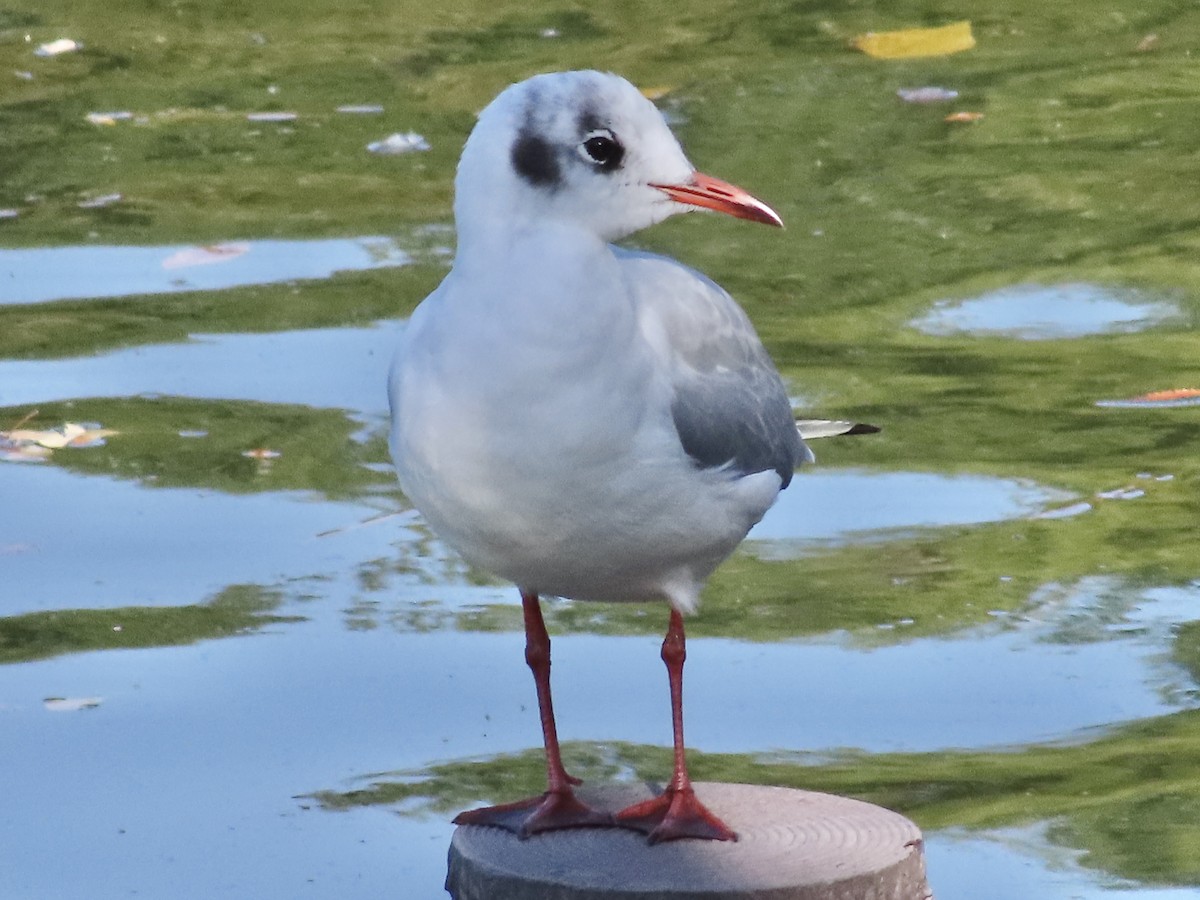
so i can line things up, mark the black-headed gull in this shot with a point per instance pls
(583, 420)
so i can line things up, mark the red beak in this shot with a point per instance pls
(713, 193)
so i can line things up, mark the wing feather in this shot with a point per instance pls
(729, 406)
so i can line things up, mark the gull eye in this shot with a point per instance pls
(602, 149)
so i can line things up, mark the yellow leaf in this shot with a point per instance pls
(656, 93)
(942, 41)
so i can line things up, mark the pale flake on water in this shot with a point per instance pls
(271, 117)
(109, 118)
(57, 48)
(100, 202)
(399, 143)
(71, 704)
(929, 94)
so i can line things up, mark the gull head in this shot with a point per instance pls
(581, 150)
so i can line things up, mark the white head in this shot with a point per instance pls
(586, 149)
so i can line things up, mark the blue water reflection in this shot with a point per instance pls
(42, 274)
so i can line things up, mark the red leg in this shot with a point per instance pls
(676, 813)
(558, 807)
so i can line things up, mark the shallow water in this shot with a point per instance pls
(261, 676)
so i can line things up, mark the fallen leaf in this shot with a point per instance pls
(656, 93)
(942, 41)
(963, 116)
(1173, 394)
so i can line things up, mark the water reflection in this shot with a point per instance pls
(1035, 312)
(279, 367)
(1007, 863)
(43, 274)
(822, 506)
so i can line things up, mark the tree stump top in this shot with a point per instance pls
(792, 845)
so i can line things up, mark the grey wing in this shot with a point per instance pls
(729, 405)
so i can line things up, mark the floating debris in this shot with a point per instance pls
(205, 255)
(396, 144)
(71, 434)
(100, 202)
(57, 48)
(271, 117)
(963, 116)
(549, 32)
(926, 94)
(910, 42)
(193, 433)
(9, 214)
(28, 445)
(23, 75)
(71, 704)
(1149, 42)
(361, 109)
(1159, 399)
(109, 118)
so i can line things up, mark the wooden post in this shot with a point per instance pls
(792, 845)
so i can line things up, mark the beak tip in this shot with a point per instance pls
(706, 192)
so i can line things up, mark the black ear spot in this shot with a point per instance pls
(534, 160)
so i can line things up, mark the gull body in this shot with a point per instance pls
(583, 420)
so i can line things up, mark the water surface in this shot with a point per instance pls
(234, 639)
